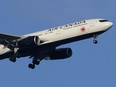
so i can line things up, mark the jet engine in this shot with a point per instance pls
(28, 41)
(62, 53)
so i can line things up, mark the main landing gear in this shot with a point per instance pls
(14, 56)
(13, 59)
(34, 62)
(95, 41)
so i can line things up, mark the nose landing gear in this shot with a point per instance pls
(95, 41)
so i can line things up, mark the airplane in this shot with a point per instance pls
(44, 44)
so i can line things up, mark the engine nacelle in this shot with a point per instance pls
(62, 53)
(29, 41)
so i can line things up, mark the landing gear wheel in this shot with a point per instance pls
(13, 59)
(95, 37)
(32, 66)
(36, 62)
(95, 41)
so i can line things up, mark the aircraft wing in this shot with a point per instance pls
(5, 39)
(8, 37)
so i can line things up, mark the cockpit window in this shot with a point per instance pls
(103, 20)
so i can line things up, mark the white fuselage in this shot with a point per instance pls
(67, 31)
(72, 30)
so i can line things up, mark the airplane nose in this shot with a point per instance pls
(108, 25)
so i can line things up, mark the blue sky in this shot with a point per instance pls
(90, 66)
